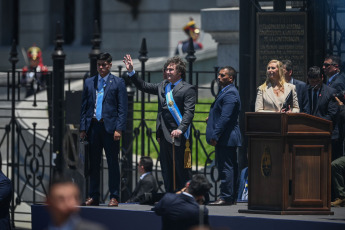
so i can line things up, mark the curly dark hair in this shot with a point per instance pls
(180, 65)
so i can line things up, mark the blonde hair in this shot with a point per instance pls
(280, 73)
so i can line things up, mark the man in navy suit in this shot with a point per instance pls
(102, 119)
(301, 87)
(331, 69)
(5, 200)
(322, 102)
(335, 80)
(223, 132)
(182, 211)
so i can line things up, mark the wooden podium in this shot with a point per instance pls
(289, 164)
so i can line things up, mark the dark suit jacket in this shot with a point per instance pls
(302, 95)
(114, 107)
(179, 212)
(326, 107)
(185, 97)
(5, 200)
(222, 124)
(338, 83)
(147, 185)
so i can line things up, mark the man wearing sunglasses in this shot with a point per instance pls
(331, 69)
(336, 80)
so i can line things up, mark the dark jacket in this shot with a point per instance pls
(179, 212)
(326, 107)
(184, 96)
(147, 185)
(302, 95)
(222, 124)
(114, 107)
(338, 82)
(5, 200)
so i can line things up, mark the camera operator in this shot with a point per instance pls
(338, 166)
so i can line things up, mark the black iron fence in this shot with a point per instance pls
(33, 148)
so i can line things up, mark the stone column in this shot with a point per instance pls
(223, 25)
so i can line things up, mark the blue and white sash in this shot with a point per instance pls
(175, 112)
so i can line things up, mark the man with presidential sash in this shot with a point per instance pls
(176, 105)
(223, 132)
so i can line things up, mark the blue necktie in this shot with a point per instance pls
(100, 93)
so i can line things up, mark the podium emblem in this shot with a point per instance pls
(266, 163)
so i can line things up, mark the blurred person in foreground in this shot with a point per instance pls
(182, 211)
(5, 199)
(62, 202)
(275, 91)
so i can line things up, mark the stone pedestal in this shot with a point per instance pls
(223, 25)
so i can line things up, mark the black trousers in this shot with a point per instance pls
(166, 158)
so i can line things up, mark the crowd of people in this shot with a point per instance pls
(104, 111)
(103, 120)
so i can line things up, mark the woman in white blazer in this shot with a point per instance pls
(273, 92)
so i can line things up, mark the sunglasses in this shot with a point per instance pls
(328, 64)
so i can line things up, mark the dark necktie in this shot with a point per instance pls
(314, 100)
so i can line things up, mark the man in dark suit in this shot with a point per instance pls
(301, 87)
(331, 69)
(147, 182)
(5, 200)
(62, 202)
(223, 132)
(102, 119)
(182, 211)
(181, 96)
(322, 102)
(336, 80)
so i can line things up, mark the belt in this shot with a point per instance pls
(95, 120)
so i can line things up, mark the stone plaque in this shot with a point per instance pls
(281, 36)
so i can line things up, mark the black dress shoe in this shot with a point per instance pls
(220, 202)
(91, 202)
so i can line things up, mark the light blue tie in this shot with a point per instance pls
(100, 93)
